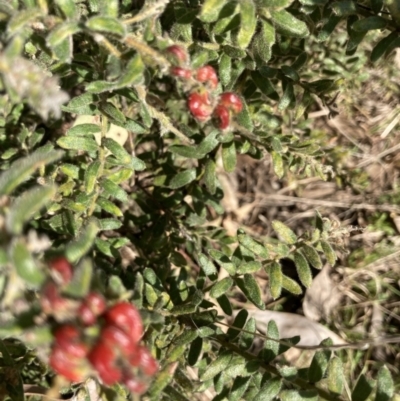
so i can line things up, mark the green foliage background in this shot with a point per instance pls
(101, 157)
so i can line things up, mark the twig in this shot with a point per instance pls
(389, 128)
(379, 156)
(146, 50)
(154, 9)
(266, 200)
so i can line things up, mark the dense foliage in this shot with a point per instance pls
(118, 119)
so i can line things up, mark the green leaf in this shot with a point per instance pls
(80, 104)
(190, 152)
(183, 178)
(234, 52)
(68, 7)
(263, 41)
(63, 51)
(217, 366)
(79, 286)
(382, 46)
(238, 323)
(22, 19)
(288, 98)
(225, 69)
(211, 9)
(251, 290)
(319, 363)
(78, 143)
(239, 387)
(209, 143)
(109, 207)
(311, 255)
(277, 162)
(91, 175)
(244, 118)
(186, 337)
(100, 87)
(284, 232)
(303, 105)
(106, 24)
(275, 279)
(376, 6)
(335, 376)
(290, 285)
(290, 73)
(248, 22)
(77, 249)
(264, 85)
(223, 261)
(344, 8)
(330, 254)
(26, 267)
(195, 350)
(114, 190)
(252, 244)
(274, 4)
(22, 169)
(206, 264)
(224, 303)
(134, 127)
(109, 224)
(83, 130)
(385, 385)
(210, 176)
(248, 334)
(271, 345)
(362, 389)
(111, 111)
(303, 269)
(150, 294)
(62, 33)
(289, 25)
(269, 390)
(162, 380)
(248, 267)
(369, 23)
(221, 287)
(117, 150)
(27, 205)
(228, 20)
(229, 156)
(137, 164)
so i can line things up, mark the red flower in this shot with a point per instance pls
(178, 53)
(200, 105)
(207, 74)
(116, 338)
(231, 101)
(223, 116)
(103, 359)
(62, 268)
(127, 318)
(63, 364)
(181, 72)
(143, 359)
(92, 306)
(68, 338)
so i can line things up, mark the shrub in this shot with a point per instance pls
(117, 120)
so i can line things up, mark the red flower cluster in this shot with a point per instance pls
(116, 355)
(202, 102)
